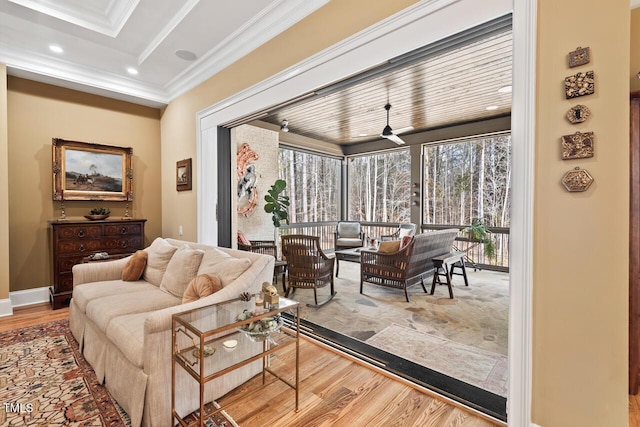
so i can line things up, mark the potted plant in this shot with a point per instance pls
(477, 231)
(277, 203)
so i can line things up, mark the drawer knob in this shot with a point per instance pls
(81, 232)
(81, 248)
(123, 230)
(123, 244)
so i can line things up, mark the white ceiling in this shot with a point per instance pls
(102, 38)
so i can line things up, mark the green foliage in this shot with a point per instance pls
(100, 211)
(277, 203)
(478, 231)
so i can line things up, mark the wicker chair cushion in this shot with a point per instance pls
(242, 238)
(389, 247)
(348, 230)
(348, 241)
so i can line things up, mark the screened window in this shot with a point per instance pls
(468, 179)
(313, 182)
(380, 187)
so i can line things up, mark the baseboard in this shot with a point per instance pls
(534, 425)
(5, 307)
(29, 296)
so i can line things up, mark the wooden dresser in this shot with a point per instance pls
(71, 241)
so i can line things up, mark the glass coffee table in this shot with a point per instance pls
(226, 337)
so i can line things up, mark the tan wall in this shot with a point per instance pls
(37, 113)
(4, 188)
(309, 36)
(635, 49)
(580, 305)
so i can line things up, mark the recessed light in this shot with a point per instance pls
(132, 71)
(55, 48)
(492, 107)
(505, 89)
(186, 55)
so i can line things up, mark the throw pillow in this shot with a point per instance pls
(182, 268)
(389, 246)
(159, 254)
(226, 267)
(134, 267)
(201, 286)
(243, 239)
(405, 242)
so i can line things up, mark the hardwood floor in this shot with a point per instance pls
(334, 391)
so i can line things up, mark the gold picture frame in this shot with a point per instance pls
(183, 175)
(86, 171)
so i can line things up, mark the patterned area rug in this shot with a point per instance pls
(472, 365)
(45, 381)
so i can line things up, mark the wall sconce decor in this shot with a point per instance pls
(580, 84)
(577, 146)
(578, 57)
(577, 180)
(578, 114)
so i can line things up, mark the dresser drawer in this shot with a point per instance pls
(79, 231)
(65, 264)
(79, 246)
(66, 283)
(122, 244)
(122, 229)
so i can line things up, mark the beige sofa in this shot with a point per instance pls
(124, 328)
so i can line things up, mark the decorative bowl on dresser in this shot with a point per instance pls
(72, 241)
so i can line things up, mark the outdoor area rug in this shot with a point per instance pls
(45, 381)
(469, 364)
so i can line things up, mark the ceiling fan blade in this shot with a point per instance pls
(393, 137)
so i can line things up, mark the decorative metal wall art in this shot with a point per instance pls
(577, 146)
(577, 180)
(580, 84)
(247, 177)
(580, 56)
(578, 114)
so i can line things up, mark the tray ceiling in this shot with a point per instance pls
(102, 39)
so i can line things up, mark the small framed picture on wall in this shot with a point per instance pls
(183, 175)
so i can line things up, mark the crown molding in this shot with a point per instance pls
(635, 4)
(108, 22)
(263, 27)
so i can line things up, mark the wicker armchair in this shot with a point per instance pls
(307, 265)
(410, 231)
(407, 266)
(266, 247)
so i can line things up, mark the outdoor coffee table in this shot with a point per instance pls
(352, 255)
(213, 334)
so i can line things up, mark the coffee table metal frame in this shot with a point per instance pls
(185, 357)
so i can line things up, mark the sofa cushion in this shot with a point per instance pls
(159, 255)
(102, 310)
(242, 238)
(201, 286)
(223, 265)
(348, 241)
(389, 246)
(87, 292)
(127, 333)
(182, 268)
(134, 267)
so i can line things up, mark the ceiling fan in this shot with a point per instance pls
(387, 132)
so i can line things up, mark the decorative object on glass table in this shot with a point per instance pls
(206, 350)
(270, 294)
(578, 114)
(577, 146)
(580, 56)
(261, 329)
(580, 84)
(577, 180)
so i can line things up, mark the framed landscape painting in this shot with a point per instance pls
(84, 171)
